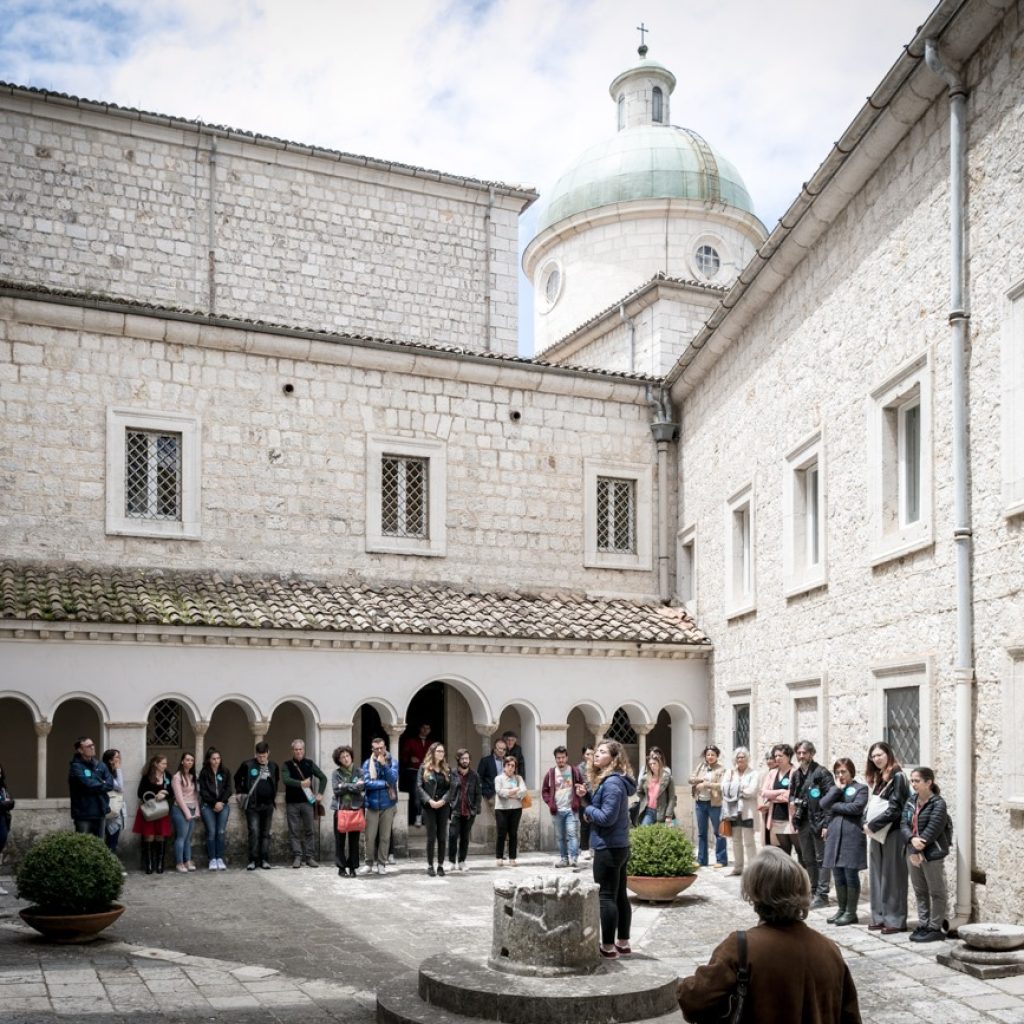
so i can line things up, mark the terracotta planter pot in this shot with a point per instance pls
(70, 927)
(659, 890)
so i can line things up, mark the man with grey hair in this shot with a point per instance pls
(810, 782)
(304, 786)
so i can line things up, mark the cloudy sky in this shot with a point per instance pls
(508, 90)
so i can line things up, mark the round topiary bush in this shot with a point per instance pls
(660, 851)
(70, 873)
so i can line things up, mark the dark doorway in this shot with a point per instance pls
(369, 726)
(427, 706)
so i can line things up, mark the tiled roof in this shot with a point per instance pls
(98, 300)
(83, 594)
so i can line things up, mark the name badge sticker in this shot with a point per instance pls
(254, 772)
(87, 773)
(815, 793)
(850, 791)
(218, 777)
(784, 783)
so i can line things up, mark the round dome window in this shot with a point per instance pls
(708, 261)
(552, 284)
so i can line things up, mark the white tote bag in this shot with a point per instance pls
(878, 804)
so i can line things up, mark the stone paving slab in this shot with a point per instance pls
(304, 947)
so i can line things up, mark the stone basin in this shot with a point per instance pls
(992, 936)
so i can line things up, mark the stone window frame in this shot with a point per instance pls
(740, 601)
(686, 568)
(721, 250)
(435, 544)
(737, 696)
(1013, 722)
(894, 674)
(122, 419)
(815, 685)
(657, 105)
(799, 575)
(544, 303)
(642, 476)
(890, 537)
(1012, 358)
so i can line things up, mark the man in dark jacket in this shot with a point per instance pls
(304, 786)
(256, 783)
(489, 768)
(514, 750)
(464, 798)
(810, 782)
(89, 782)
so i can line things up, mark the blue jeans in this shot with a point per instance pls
(182, 835)
(567, 833)
(706, 813)
(649, 817)
(216, 824)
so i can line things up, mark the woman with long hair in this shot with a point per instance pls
(612, 784)
(739, 803)
(155, 783)
(348, 788)
(887, 865)
(215, 789)
(846, 854)
(775, 796)
(509, 790)
(434, 783)
(764, 805)
(706, 789)
(927, 833)
(656, 789)
(114, 824)
(184, 811)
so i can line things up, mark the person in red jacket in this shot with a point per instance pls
(411, 754)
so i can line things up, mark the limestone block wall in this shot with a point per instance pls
(177, 214)
(872, 295)
(284, 475)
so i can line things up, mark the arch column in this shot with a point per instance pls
(552, 734)
(334, 734)
(42, 729)
(485, 731)
(599, 730)
(130, 739)
(259, 730)
(641, 740)
(394, 732)
(400, 823)
(201, 728)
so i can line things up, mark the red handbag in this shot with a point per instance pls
(349, 821)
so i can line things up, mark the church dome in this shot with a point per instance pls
(646, 161)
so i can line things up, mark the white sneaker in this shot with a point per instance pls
(463, 866)
(221, 866)
(561, 863)
(214, 865)
(382, 869)
(366, 869)
(391, 858)
(3, 891)
(586, 855)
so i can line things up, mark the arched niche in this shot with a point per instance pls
(18, 744)
(230, 731)
(72, 719)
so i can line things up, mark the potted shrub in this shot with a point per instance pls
(661, 862)
(73, 881)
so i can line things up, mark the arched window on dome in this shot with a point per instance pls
(657, 106)
(621, 103)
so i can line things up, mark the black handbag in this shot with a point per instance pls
(729, 1010)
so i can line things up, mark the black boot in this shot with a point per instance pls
(158, 856)
(841, 897)
(849, 915)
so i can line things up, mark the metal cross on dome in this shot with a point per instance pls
(643, 30)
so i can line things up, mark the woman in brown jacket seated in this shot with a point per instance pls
(795, 973)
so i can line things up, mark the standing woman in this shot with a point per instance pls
(612, 784)
(656, 790)
(775, 793)
(706, 787)
(888, 867)
(739, 802)
(846, 854)
(184, 811)
(764, 805)
(348, 787)
(114, 825)
(433, 783)
(926, 832)
(155, 783)
(6, 806)
(509, 790)
(215, 789)
(584, 769)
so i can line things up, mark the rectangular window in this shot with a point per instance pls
(686, 569)
(1013, 727)
(902, 730)
(1013, 402)
(900, 709)
(805, 710)
(152, 485)
(404, 511)
(741, 726)
(804, 518)
(739, 553)
(900, 463)
(616, 515)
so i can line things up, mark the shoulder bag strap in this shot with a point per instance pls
(742, 978)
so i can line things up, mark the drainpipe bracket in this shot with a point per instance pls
(665, 431)
(957, 315)
(964, 676)
(963, 533)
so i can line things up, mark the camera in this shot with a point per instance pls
(799, 810)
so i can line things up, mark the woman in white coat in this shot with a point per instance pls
(740, 787)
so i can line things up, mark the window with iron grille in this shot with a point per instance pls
(404, 490)
(621, 730)
(903, 723)
(616, 515)
(741, 726)
(164, 726)
(152, 475)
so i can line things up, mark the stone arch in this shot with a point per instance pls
(230, 729)
(473, 694)
(583, 723)
(73, 715)
(292, 718)
(675, 737)
(171, 727)
(18, 717)
(86, 698)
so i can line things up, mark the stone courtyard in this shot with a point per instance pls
(308, 946)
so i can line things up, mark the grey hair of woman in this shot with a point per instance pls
(777, 887)
(738, 752)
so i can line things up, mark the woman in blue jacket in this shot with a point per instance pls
(612, 784)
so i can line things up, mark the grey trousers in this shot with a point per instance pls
(811, 851)
(929, 882)
(378, 832)
(887, 869)
(301, 825)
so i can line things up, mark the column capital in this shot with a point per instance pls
(201, 728)
(485, 729)
(43, 728)
(642, 730)
(553, 726)
(396, 730)
(259, 728)
(327, 726)
(126, 725)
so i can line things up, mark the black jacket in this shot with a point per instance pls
(471, 782)
(266, 792)
(215, 789)
(897, 789)
(89, 782)
(432, 785)
(932, 826)
(809, 786)
(488, 772)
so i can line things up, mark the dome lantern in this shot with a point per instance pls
(641, 93)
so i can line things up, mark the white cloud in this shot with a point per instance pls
(509, 90)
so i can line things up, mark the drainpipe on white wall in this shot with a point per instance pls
(211, 233)
(664, 432)
(488, 230)
(632, 337)
(963, 671)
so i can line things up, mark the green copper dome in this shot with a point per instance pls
(649, 161)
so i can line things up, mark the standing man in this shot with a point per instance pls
(304, 786)
(414, 749)
(464, 798)
(489, 768)
(380, 777)
(559, 793)
(811, 781)
(89, 782)
(256, 783)
(513, 749)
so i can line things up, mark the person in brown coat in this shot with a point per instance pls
(796, 974)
